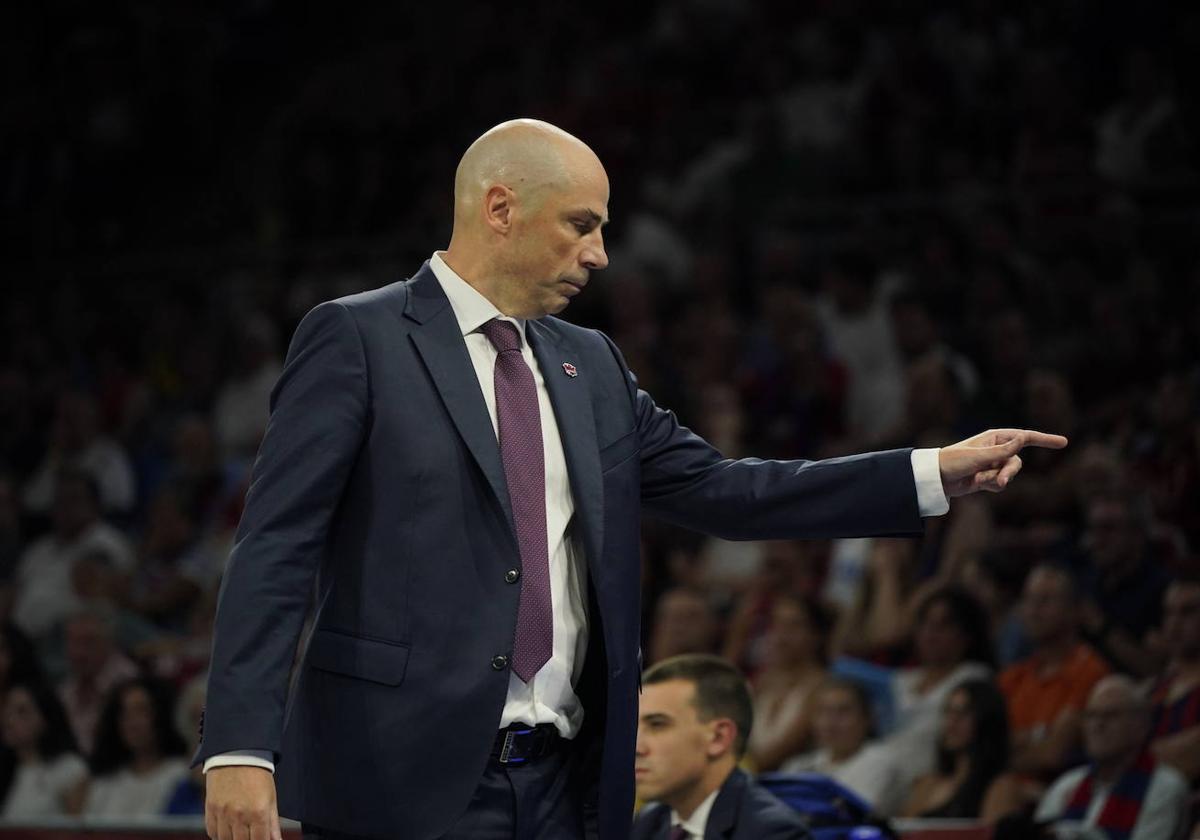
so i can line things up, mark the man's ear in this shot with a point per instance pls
(498, 208)
(722, 738)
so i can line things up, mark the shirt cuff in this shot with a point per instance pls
(927, 474)
(241, 758)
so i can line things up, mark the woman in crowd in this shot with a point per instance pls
(138, 760)
(971, 779)
(952, 645)
(794, 666)
(39, 765)
(842, 729)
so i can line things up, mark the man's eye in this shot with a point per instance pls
(582, 227)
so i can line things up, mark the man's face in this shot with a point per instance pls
(840, 724)
(1113, 725)
(672, 743)
(1181, 619)
(557, 240)
(1047, 610)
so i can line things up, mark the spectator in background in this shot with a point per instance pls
(788, 567)
(794, 666)
(101, 587)
(196, 471)
(18, 660)
(76, 442)
(952, 646)
(1126, 583)
(10, 532)
(918, 338)
(1124, 792)
(684, 622)
(853, 310)
(39, 765)
(995, 579)
(694, 718)
(44, 595)
(138, 760)
(242, 405)
(174, 565)
(971, 781)
(1047, 690)
(843, 727)
(1141, 136)
(188, 796)
(1175, 696)
(94, 667)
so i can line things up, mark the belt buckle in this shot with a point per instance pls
(506, 749)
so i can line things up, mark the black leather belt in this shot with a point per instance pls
(521, 743)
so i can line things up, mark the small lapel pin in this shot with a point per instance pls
(569, 369)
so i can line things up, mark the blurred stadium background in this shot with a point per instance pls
(837, 226)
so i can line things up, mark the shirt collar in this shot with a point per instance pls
(471, 309)
(698, 821)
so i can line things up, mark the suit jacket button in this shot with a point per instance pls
(499, 662)
(511, 576)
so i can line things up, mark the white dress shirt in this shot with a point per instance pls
(698, 821)
(550, 697)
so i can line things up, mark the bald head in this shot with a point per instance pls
(1115, 720)
(529, 203)
(526, 156)
(1119, 690)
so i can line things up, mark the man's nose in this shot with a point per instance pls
(594, 256)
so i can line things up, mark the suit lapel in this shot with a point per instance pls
(442, 349)
(570, 397)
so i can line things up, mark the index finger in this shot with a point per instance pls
(1044, 440)
(1029, 437)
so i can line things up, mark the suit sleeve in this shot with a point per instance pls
(318, 417)
(687, 482)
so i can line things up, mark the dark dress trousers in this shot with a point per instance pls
(380, 479)
(741, 811)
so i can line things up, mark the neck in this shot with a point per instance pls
(1054, 651)
(1109, 770)
(27, 755)
(145, 762)
(479, 275)
(962, 765)
(800, 669)
(839, 755)
(714, 776)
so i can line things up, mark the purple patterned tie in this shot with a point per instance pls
(680, 833)
(525, 470)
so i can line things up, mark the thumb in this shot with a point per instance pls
(276, 832)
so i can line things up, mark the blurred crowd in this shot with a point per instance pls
(836, 227)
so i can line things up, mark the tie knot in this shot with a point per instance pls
(503, 335)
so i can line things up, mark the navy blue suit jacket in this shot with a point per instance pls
(741, 811)
(380, 479)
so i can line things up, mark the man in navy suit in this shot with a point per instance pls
(695, 717)
(459, 479)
